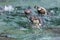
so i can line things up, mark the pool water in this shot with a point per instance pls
(17, 26)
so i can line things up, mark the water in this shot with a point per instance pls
(12, 24)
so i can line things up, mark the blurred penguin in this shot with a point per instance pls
(36, 22)
(41, 10)
(28, 12)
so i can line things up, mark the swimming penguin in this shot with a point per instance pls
(41, 10)
(27, 11)
(36, 22)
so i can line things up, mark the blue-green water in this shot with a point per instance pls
(11, 24)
